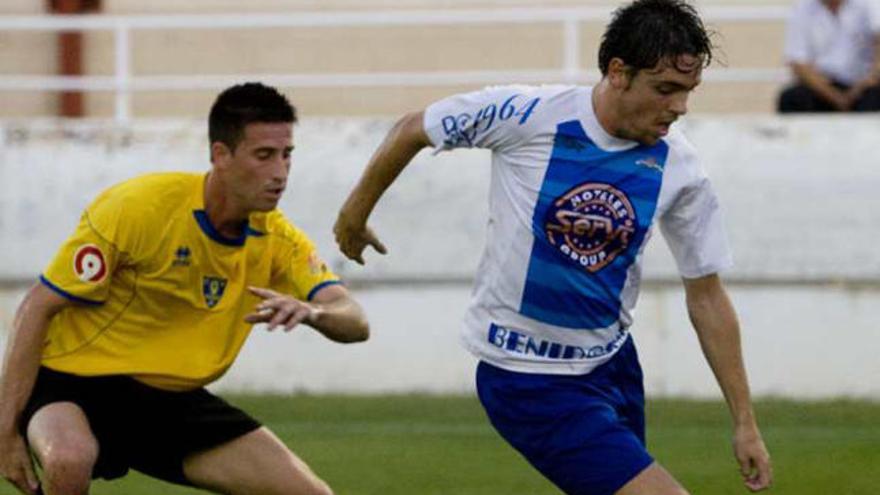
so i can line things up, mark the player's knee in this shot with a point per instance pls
(666, 490)
(68, 468)
(324, 489)
(669, 490)
(320, 490)
(318, 487)
(314, 487)
(300, 486)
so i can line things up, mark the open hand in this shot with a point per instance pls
(278, 309)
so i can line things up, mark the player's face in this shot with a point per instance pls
(652, 99)
(258, 167)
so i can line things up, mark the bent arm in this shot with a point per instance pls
(23, 352)
(338, 316)
(331, 311)
(821, 85)
(20, 365)
(715, 322)
(402, 143)
(873, 77)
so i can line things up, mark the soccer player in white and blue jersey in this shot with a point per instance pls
(580, 175)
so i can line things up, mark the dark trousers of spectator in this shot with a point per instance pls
(800, 98)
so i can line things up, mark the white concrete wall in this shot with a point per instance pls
(800, 197)
(798, 342)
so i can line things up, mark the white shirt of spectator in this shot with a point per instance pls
(841, 45)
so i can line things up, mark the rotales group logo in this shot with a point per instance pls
(591, 224)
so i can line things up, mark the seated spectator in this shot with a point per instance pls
(832, 48)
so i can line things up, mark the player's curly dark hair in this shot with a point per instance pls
(645, 32)
(243, 104)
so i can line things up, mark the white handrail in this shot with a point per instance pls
(123, 82)
(357, 18)
(350, 79)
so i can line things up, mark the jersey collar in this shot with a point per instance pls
(201, 217)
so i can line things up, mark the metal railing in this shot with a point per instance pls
(123, 82)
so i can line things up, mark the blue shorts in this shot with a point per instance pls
(586, 433)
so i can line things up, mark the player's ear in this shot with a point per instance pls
(220, 153)
(619, 74)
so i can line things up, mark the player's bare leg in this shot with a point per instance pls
(60, 436)
(653, 480)
(254, 464)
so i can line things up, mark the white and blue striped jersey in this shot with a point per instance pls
(571, 210)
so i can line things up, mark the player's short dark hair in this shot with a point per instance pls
(645, 32)
(244, 104)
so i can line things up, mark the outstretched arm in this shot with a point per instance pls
(715, 322)
(332, 311)
(405, 139)
(22, 361)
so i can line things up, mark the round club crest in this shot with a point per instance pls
(89, 264)
(591, 224)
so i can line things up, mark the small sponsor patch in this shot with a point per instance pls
(89, 264)
(650, 162)
(182, 256)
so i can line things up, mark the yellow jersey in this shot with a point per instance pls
(161, 294)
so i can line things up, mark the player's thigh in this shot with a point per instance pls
(653, 480)
(257, 463)
(59, 433)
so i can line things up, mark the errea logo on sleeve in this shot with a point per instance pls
(89, 264)
(316, 265)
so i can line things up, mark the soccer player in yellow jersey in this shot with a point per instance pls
(150, 300)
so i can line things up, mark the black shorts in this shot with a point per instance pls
(141, 427)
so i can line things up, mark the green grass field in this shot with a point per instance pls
(431, 445)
